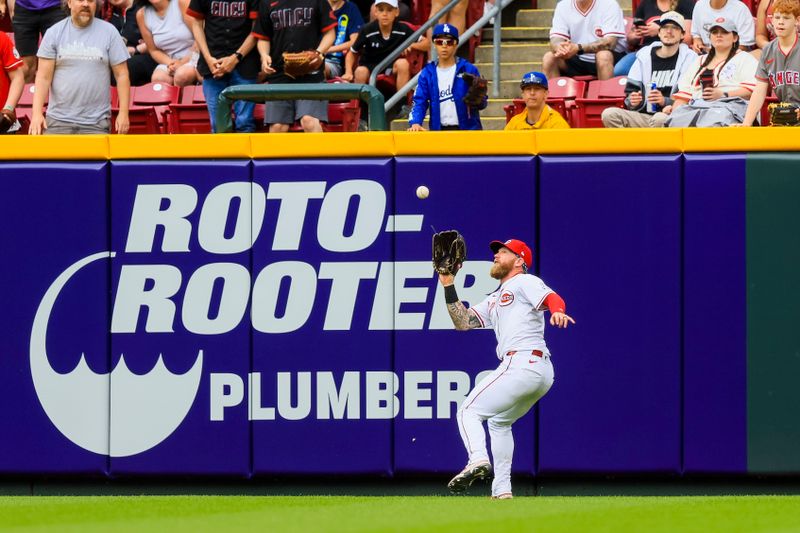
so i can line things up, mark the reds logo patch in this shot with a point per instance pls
(598, 31)
(720, 19)
(507, 298)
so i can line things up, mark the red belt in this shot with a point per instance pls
(537, 353)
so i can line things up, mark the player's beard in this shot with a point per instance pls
(499, 270)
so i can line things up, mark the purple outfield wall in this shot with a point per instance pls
(610, 241)
(247, 318)
(714, 340)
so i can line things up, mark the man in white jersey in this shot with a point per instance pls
(516, 313)
(587, 38)
(706, 13)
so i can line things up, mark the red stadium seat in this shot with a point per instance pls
(420, 11)
(343, 116)
(148, 101)
(143, 120)
(193, 94)
(187, 118)
(190, 115)
(600, 94)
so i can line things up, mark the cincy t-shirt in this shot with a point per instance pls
(227, 23)
(293, 26)
(79, 91)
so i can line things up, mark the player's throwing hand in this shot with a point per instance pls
(560, 320)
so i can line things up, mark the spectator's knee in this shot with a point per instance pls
(604, 57)
(548, 59)
(309, 123)
(401, 65)
(185, 76)
(361, 75)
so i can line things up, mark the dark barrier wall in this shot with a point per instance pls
(249, 317)
(610, 242)
(714, 314)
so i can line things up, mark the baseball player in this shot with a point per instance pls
(780, 61)
(516, 313)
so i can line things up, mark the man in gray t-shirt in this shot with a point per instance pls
(74, 60)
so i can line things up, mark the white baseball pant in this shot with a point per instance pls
(501, 398)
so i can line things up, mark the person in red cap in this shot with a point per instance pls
(516, 313)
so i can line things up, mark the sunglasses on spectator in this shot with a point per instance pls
(444, 42)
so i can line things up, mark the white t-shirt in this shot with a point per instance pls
(447, 105)
(516, 313)
(170, 34)
(602, 17)
(739, 72)
(703, 17)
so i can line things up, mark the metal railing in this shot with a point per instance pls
(301, 91)
(495, 12)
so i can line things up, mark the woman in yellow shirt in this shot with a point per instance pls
(537, 114)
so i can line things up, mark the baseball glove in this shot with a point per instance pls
(7, 119)
(299, 64)
(783, 114)
(478, 88)
(449, 252)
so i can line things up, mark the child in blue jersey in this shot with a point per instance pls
(442, 88)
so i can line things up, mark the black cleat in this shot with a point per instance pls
(460, 483)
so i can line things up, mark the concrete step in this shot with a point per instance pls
(537, 18)
(544, 17)
(495, 107)
(489, 123)
(509, 71)
(508, 89)
(513, 52)
(518, 34)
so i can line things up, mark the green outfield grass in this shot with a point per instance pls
(177, 514)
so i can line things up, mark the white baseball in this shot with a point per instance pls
(422, 192)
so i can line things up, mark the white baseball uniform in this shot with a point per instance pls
(516, 313)
(704, 17)
(602, 17)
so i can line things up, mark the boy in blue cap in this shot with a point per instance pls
(537, 114)
(442, 86)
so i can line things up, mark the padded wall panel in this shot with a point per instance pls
(610, 245)
(180, 287)
(428, 350)
(54, 361)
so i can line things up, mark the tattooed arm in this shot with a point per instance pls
(463, 319)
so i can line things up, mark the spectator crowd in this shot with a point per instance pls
(682, 62)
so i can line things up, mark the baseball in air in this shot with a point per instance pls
(422, 192)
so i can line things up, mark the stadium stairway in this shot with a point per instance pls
(525, 39)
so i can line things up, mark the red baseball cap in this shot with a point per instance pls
(516, 246)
